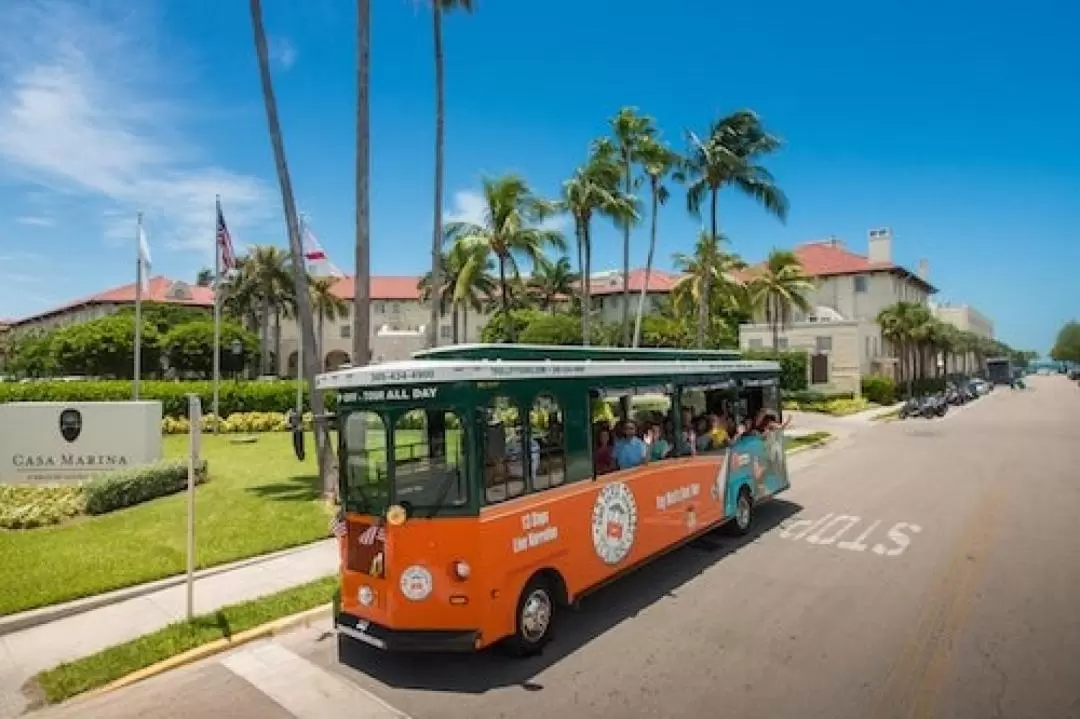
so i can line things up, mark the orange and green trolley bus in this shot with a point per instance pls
(480, 496)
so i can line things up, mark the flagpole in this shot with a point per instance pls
(138, 306)
(217, 312)
(300, 339)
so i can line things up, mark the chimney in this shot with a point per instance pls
(923, 270)
(879, 246)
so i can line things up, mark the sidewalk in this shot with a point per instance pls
(24, 653)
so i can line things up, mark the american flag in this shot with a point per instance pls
(224, 243)
(338, 526)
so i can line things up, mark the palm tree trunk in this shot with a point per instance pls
(775, 322)
(713, 210)
(264, 330)
(586, 306)
(454, 323)
(465, 321)
(583, 278)
(628, 188)
(648, 264)
(303, 298)
(436, 238)
(504, 290)
(319, 342)
(361, 330)
(277, 342)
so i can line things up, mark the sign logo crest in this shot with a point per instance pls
(614, 523)
(70, 424)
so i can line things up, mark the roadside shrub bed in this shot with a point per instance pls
(234, 397)
(834, 407)
(129, 487)
(807, 396)
(39, 506)
(879, 389)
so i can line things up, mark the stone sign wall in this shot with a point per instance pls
(60, 442)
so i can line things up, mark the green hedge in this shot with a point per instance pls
(879, 389)
(129, 487)
(244, 396)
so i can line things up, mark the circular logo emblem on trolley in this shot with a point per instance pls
(614, 522)
(416, 583)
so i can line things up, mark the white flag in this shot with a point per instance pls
(144, 259)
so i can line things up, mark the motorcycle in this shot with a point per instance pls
(911, 408)
(934, 405)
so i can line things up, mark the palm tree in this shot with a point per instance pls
(901, 325)
(326, 306)
(658, 161)
(778, 289)
(266, 267)
(709, 280)
(551, 280)
(438, 7)
(730, 155)
(509, 231)
(240, 295)
(593, 190)
(629, 131)
(469, 273)
(306, 325)
(361, 328)
(204, 278)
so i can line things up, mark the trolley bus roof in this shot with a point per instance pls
(442, 371)
(568, 353)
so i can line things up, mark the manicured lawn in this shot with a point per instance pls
(259, 499)
(106, 666)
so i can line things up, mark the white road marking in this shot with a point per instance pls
(827, 530)
(302, 688)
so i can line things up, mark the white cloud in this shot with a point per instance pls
(81, 116)
(283, 52)
(35, 221)
(468, 206)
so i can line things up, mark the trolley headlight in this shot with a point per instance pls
(462, 570)
(366, 596)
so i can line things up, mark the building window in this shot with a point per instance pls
(823, 344)
(346, 331)
(781, 343)
(396, 308)
(380, 308)
(754, 343)
(860, 283)
(819, 369)
(444, 332)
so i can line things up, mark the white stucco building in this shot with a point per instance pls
(841, 333)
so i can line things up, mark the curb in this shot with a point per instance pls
(44, 615)
(263, 631)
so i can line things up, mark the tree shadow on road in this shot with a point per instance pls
(483, 671)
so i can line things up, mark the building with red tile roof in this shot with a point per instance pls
(840, 331)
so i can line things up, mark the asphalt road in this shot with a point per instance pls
(953, 592)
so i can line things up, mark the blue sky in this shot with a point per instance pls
(952, 123)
